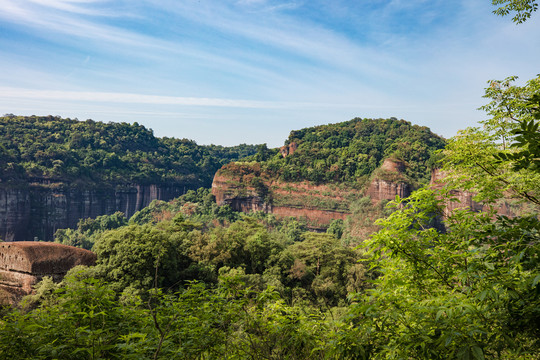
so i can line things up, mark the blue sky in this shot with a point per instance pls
(249, 71)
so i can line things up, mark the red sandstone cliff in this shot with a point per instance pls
(464, 198)
(245, 188)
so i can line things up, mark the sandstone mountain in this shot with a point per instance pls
(321, 171)
(55, 171)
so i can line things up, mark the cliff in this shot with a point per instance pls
(23, 264)
(388, 181)
(244, 187)
(54, 171)
(465, 199)
(37, 210)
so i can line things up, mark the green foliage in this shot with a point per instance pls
(347, 152)
(523, 9)
(141, 256)
(89, 229)
(471, 292)
(336, 228)
(323, 264)
(96, 153)
(498, 160)
(86, 321)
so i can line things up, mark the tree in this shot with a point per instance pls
(499, 160)
(523, 9)
(133, 256)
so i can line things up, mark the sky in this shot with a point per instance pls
(228, 72)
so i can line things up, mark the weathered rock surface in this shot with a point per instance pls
(288, 149)
(245, 189)
(389, 181)
(38, 210)
(464, 198)
(25, 263)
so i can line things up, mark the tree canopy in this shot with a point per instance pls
(96, 153)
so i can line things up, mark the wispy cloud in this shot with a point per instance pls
(299, 60)
(129, 98)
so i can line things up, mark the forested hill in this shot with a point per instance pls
(95, 153)
(349, 152)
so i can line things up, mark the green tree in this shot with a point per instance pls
(137, 256)
(522, 9)
(490, 161)
(469, 293)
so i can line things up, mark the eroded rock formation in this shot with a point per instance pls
(245, 188)
(389, 181)
(24, 263)
(38, 210)
(287, 150)
(464, 198)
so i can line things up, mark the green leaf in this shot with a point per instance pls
(477, 353)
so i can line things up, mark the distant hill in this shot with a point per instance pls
(93, 153)
(55, 171)
(322, 170)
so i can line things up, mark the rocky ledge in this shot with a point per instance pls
(245, 188)
(25, 263)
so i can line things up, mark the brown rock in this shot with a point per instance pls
(38, 210)
(389, 181)
(288, 149)
(25, 263)
(464, 198)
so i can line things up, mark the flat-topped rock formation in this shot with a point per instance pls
(25, 263)
(388, 181)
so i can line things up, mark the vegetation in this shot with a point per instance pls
(95, 153)
(350, 151)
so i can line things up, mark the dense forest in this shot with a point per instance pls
(350, 151)
(188, 279)
(96, 153)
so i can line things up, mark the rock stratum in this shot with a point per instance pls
(23, 264)
(245, 188)
(36, 210)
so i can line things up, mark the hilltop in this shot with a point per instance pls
(55, 171)
(321, 171)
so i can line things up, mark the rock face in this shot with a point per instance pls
(464, 198)
(387, 190)
(24, 263)
(288, 149)
(245, 188)
(389, 181)
(38, 210)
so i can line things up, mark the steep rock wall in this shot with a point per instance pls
(465, 198)
(38, 210)
(245, 189)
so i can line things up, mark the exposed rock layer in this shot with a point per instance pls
(38, 210)
(317, 204)
(464, 199)
(24, 263)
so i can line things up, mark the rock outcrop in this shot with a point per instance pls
(245, 188)
(464, 199)
(24, 263)
(389, 181)
(36, 211)
(287, 150)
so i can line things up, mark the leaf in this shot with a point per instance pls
(536, 280)
(477, 353)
